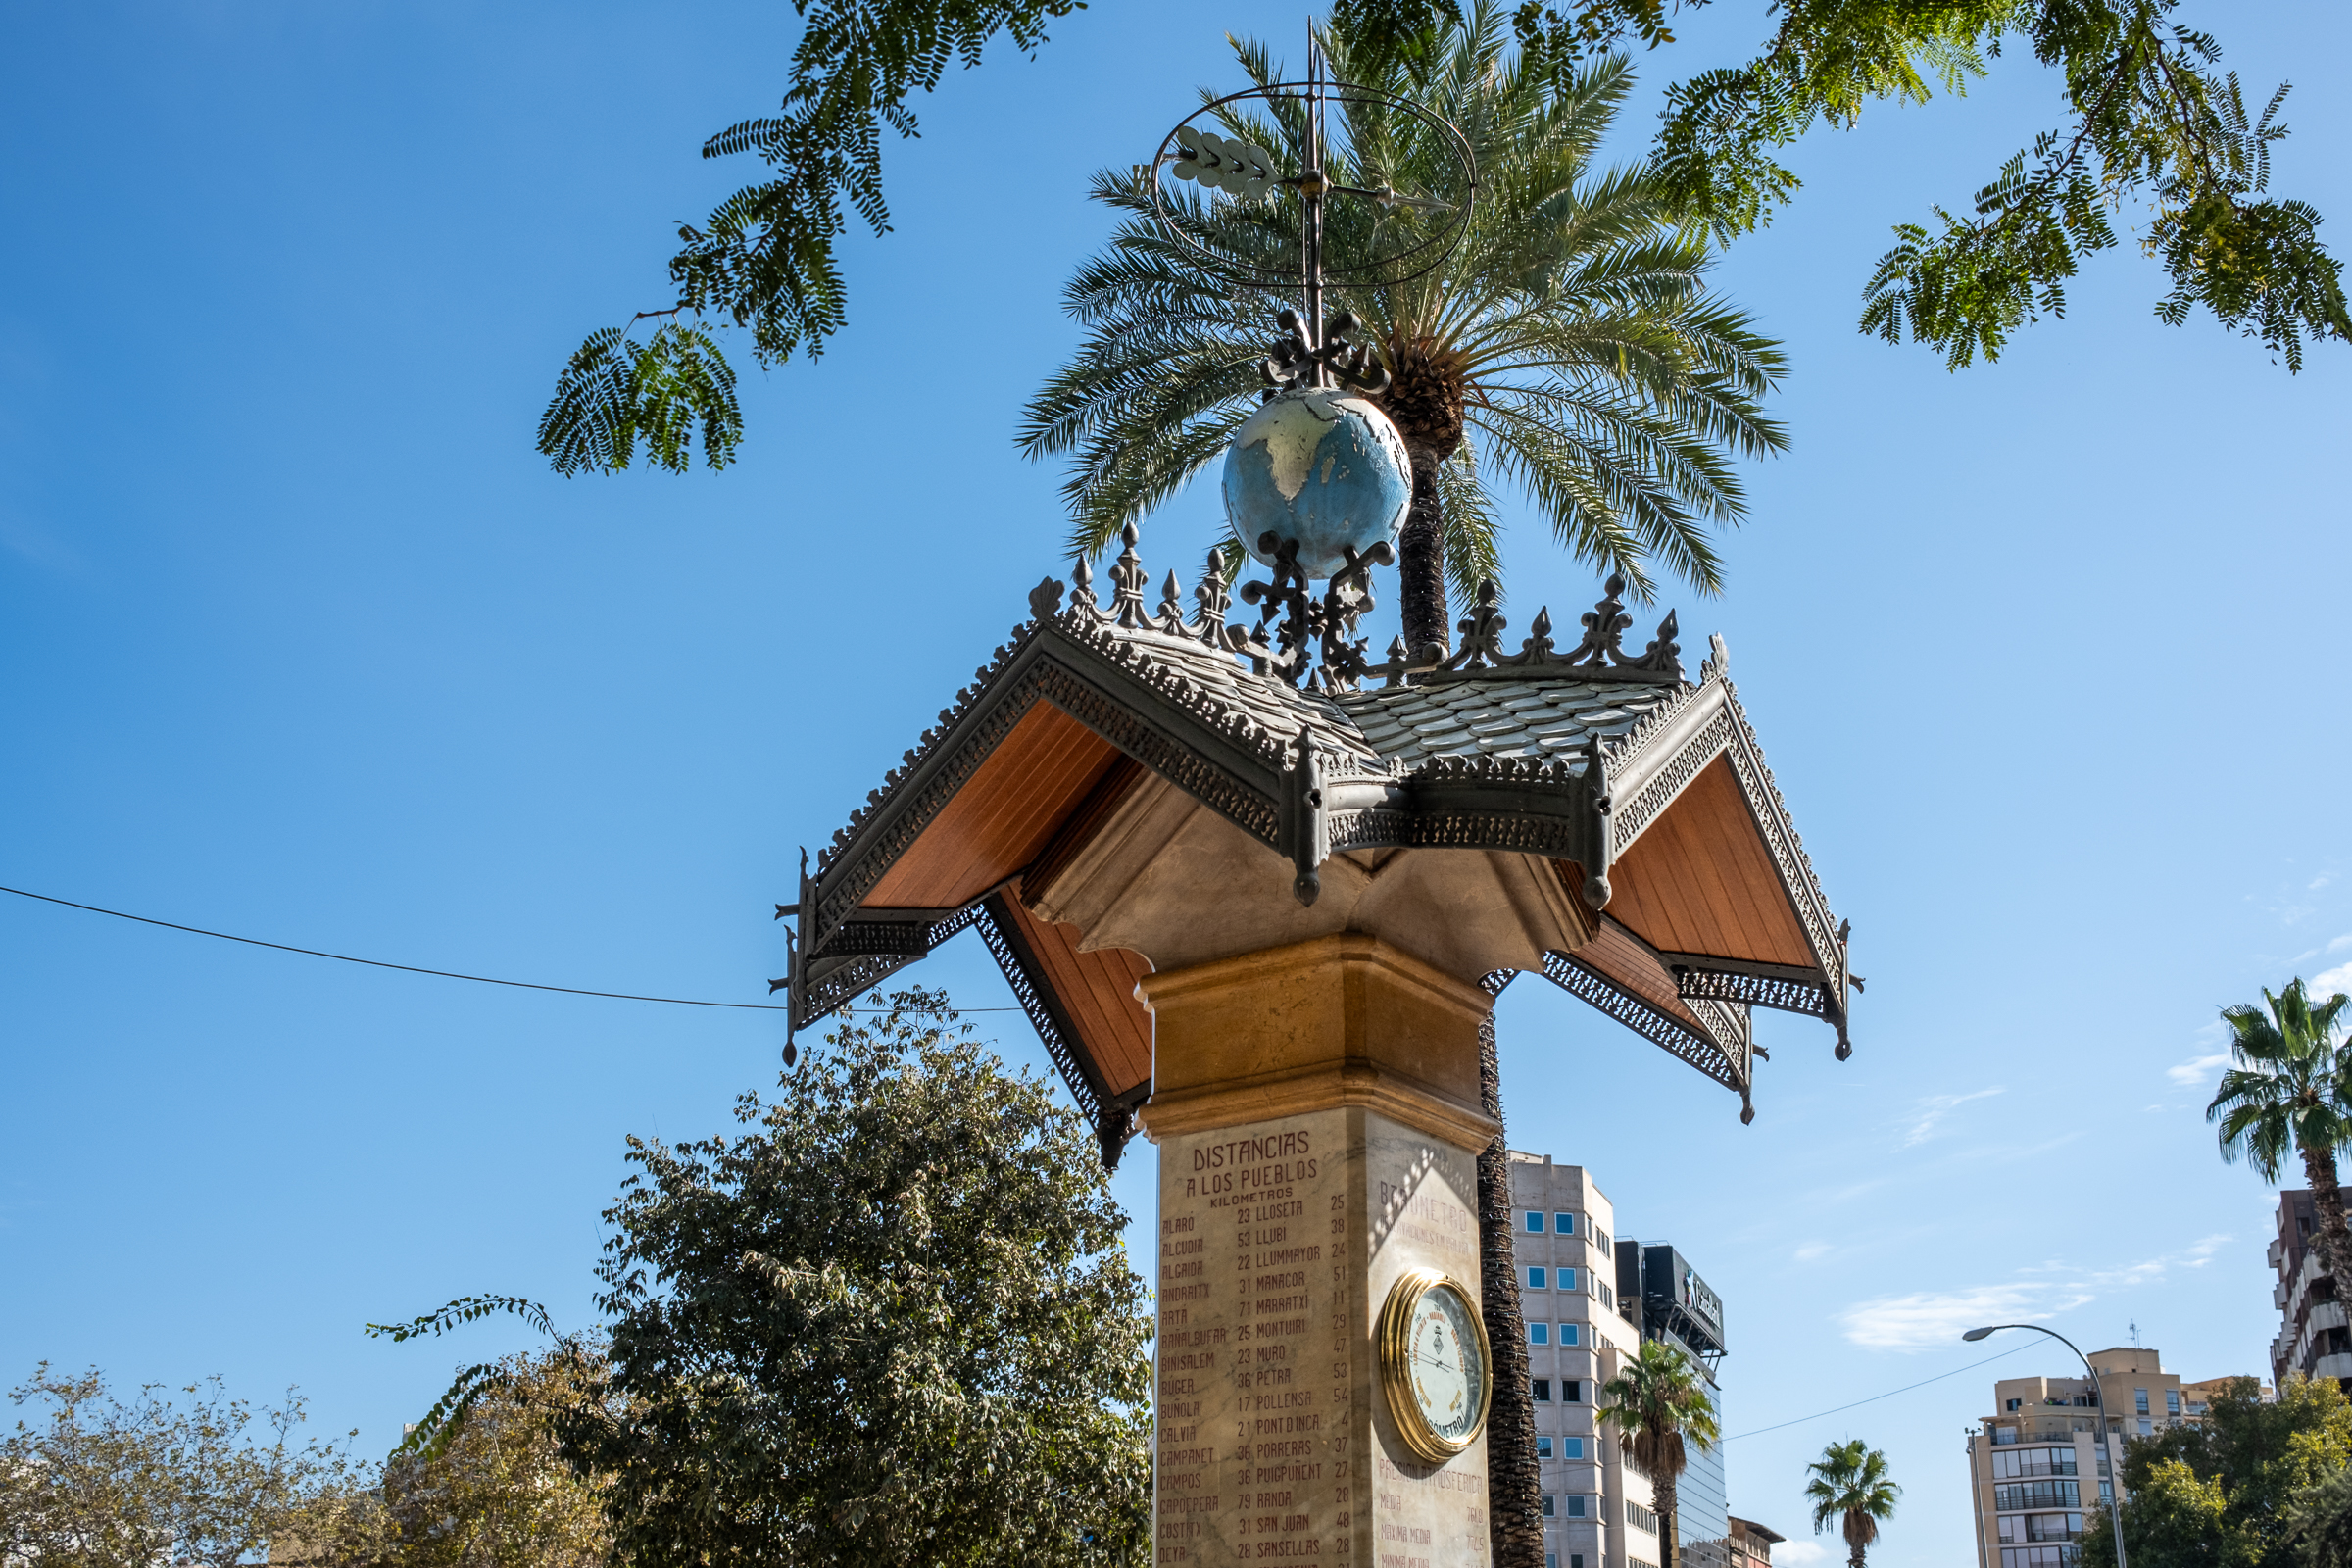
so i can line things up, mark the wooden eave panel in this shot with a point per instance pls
(1700, 879)
(1096, 993)
(1637, 971)
(1001, 817)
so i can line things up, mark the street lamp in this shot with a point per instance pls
(2115, 1474)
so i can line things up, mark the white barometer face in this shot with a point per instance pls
(1435, 1363)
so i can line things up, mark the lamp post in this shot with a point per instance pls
(2115, 1474)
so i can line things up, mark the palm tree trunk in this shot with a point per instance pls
(2334, 1242)
(1514, 1483)
(1421, 556)
(1663, 1486)
(1855, 1553)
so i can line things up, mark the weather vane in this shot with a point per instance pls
(1318, 480)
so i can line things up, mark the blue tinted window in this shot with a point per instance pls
(1565, 1224)
(1575, 1447)
(1567, 1279)
(1576, 1507)
(1534, 1279)
(1534, 1221)
(1539, 1334)
(1568, 1334)
(1547, 1505)
(1542, 1447)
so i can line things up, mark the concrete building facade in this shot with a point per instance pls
(1599, 1511)
(2312, 1339)
(1589, 1297)
(2037, 1467)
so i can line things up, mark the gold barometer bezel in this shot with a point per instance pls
(1395, 1380)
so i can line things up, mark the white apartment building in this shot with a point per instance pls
(1598, 1512)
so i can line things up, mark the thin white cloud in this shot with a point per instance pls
(2340, 943)
(2329, 982)
(1931, 1319)
(1811, 1251)
(1935, 1109)
(2321, 881)
(1797, 1551)
(1928, 1318)
(2191, 1074)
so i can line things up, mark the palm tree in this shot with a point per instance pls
(1568, 345)
(1849, 1483)
(1662, 1410)
(2291, 1089)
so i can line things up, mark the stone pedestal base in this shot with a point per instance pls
(1313, 1146)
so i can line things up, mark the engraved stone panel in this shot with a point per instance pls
(1279, 1241)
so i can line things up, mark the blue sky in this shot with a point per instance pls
(298, 638)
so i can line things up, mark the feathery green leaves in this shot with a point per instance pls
(1597, 373)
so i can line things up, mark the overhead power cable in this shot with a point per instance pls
(1875, 1398)
(443, 974)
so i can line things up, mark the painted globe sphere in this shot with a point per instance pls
(1320, 465)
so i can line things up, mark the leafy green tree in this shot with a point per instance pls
(1849, 1484)
(891, 1321)
(2226, 1491)
(1661, 1412)
(498, 1492)
(2150, 121)
(109, 1482)
(2319, 1524)
(2292, 1089)
(1568, 347)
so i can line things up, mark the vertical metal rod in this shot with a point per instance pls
(1311, 217)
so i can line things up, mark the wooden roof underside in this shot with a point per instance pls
(1697, 881)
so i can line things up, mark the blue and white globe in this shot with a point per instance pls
(1321, 466)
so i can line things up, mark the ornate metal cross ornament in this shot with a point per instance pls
(1294, 624)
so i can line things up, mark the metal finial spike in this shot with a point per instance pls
(1615, 585)
(1131, 533)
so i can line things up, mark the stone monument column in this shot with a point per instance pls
(1317, 1113)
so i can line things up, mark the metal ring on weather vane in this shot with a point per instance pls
(1430, 252)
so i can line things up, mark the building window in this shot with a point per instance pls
(1565, 1224)
(1534, 1279)
(2146, 1426)
(2018, 1496)
(1569, 1335)
(1542, 1446)
(2012, 1404)
(2171, 1401)
(1576, 1559)
(1567, 1279)
(1576, 1507)
(1608, 1297)
(1551, 1559)
(1541, 1389)
(1547, 1510)
(1601, 1239)
(1534, 1222)
(1539, 1334)
(1572, 1390)
(2139, 1400)
(1573, 1447)
(1640, 1518)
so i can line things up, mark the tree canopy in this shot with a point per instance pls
(2224, 1493)
(2149, 120)
(201, 1479)
(892, 1320)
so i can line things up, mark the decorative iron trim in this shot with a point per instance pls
(1579, 979)
(833, 976)
(1112, 1116)
(1808, 997)
(1788, 851)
